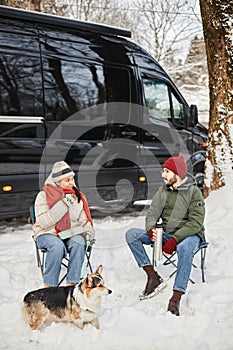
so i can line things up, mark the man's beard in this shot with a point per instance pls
(172, 181)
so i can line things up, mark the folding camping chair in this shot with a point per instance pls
(171, 260)
(41, 253)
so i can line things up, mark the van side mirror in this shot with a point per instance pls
(193, 115)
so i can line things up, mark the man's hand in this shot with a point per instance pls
(169, 246)
(152, 234)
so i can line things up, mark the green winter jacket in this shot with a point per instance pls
(182, 210)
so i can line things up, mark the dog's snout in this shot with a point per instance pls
(109, 291)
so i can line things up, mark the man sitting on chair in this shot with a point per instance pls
(62, 222)
(181, 206)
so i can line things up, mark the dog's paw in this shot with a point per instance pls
(79, 324)
(95, 323)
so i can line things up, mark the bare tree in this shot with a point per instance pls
(166, 23)
(52, 6)
(157, 25)
(13, 3)
(217, 17)
(34, 5)
(111, 12)
(192, 73)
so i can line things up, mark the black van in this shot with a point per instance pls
(82, 92)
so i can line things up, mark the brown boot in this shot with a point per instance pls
(153, 281)
(174, 303)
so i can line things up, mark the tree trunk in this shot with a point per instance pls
(34, 5)
(217, 18)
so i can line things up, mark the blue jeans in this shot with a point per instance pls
(136, 239)
(56, 251)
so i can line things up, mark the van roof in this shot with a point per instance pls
(45, 18)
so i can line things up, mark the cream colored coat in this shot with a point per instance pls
(47, 218)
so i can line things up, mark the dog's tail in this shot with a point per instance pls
(34, 314)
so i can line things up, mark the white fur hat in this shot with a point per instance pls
(60, 171)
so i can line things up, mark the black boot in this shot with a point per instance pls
(174, 303)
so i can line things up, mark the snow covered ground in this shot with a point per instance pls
(206, 321)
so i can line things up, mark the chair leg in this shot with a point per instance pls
(42, 265)
(38, 257)
(64, 263)
(88, 256)
(40, 261)
(62, 279)
(169, 260)
(203, 255)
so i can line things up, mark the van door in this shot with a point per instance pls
(160, 138)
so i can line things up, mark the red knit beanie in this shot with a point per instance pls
(177, 165)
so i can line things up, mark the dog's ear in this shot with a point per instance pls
(99, 270)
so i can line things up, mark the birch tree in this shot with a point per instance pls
(217, 17)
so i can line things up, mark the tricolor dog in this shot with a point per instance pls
(78, 304)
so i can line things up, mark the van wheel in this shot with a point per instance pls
(199, 178)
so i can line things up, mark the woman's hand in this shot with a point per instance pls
(69, 199)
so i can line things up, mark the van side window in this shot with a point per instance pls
(20, 81)
(20, 71)
(73, 86)
(157, 98)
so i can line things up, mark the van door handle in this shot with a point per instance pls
(128, 133)
(154, 134)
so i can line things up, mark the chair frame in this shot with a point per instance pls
(41, 253)
(170, 261)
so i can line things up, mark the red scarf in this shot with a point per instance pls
(54, 194)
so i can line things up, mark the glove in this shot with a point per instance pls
(169, 246)
(69, 199)
(90, 240)
(150, 234)
(89, 232)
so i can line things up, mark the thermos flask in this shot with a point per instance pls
(158, 243)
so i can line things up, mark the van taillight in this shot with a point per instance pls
(142, 179)
(202, 144)
(7, 188)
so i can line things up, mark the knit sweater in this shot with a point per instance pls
(182, 210)
(47, 218)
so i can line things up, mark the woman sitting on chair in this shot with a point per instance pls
(63, 221)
